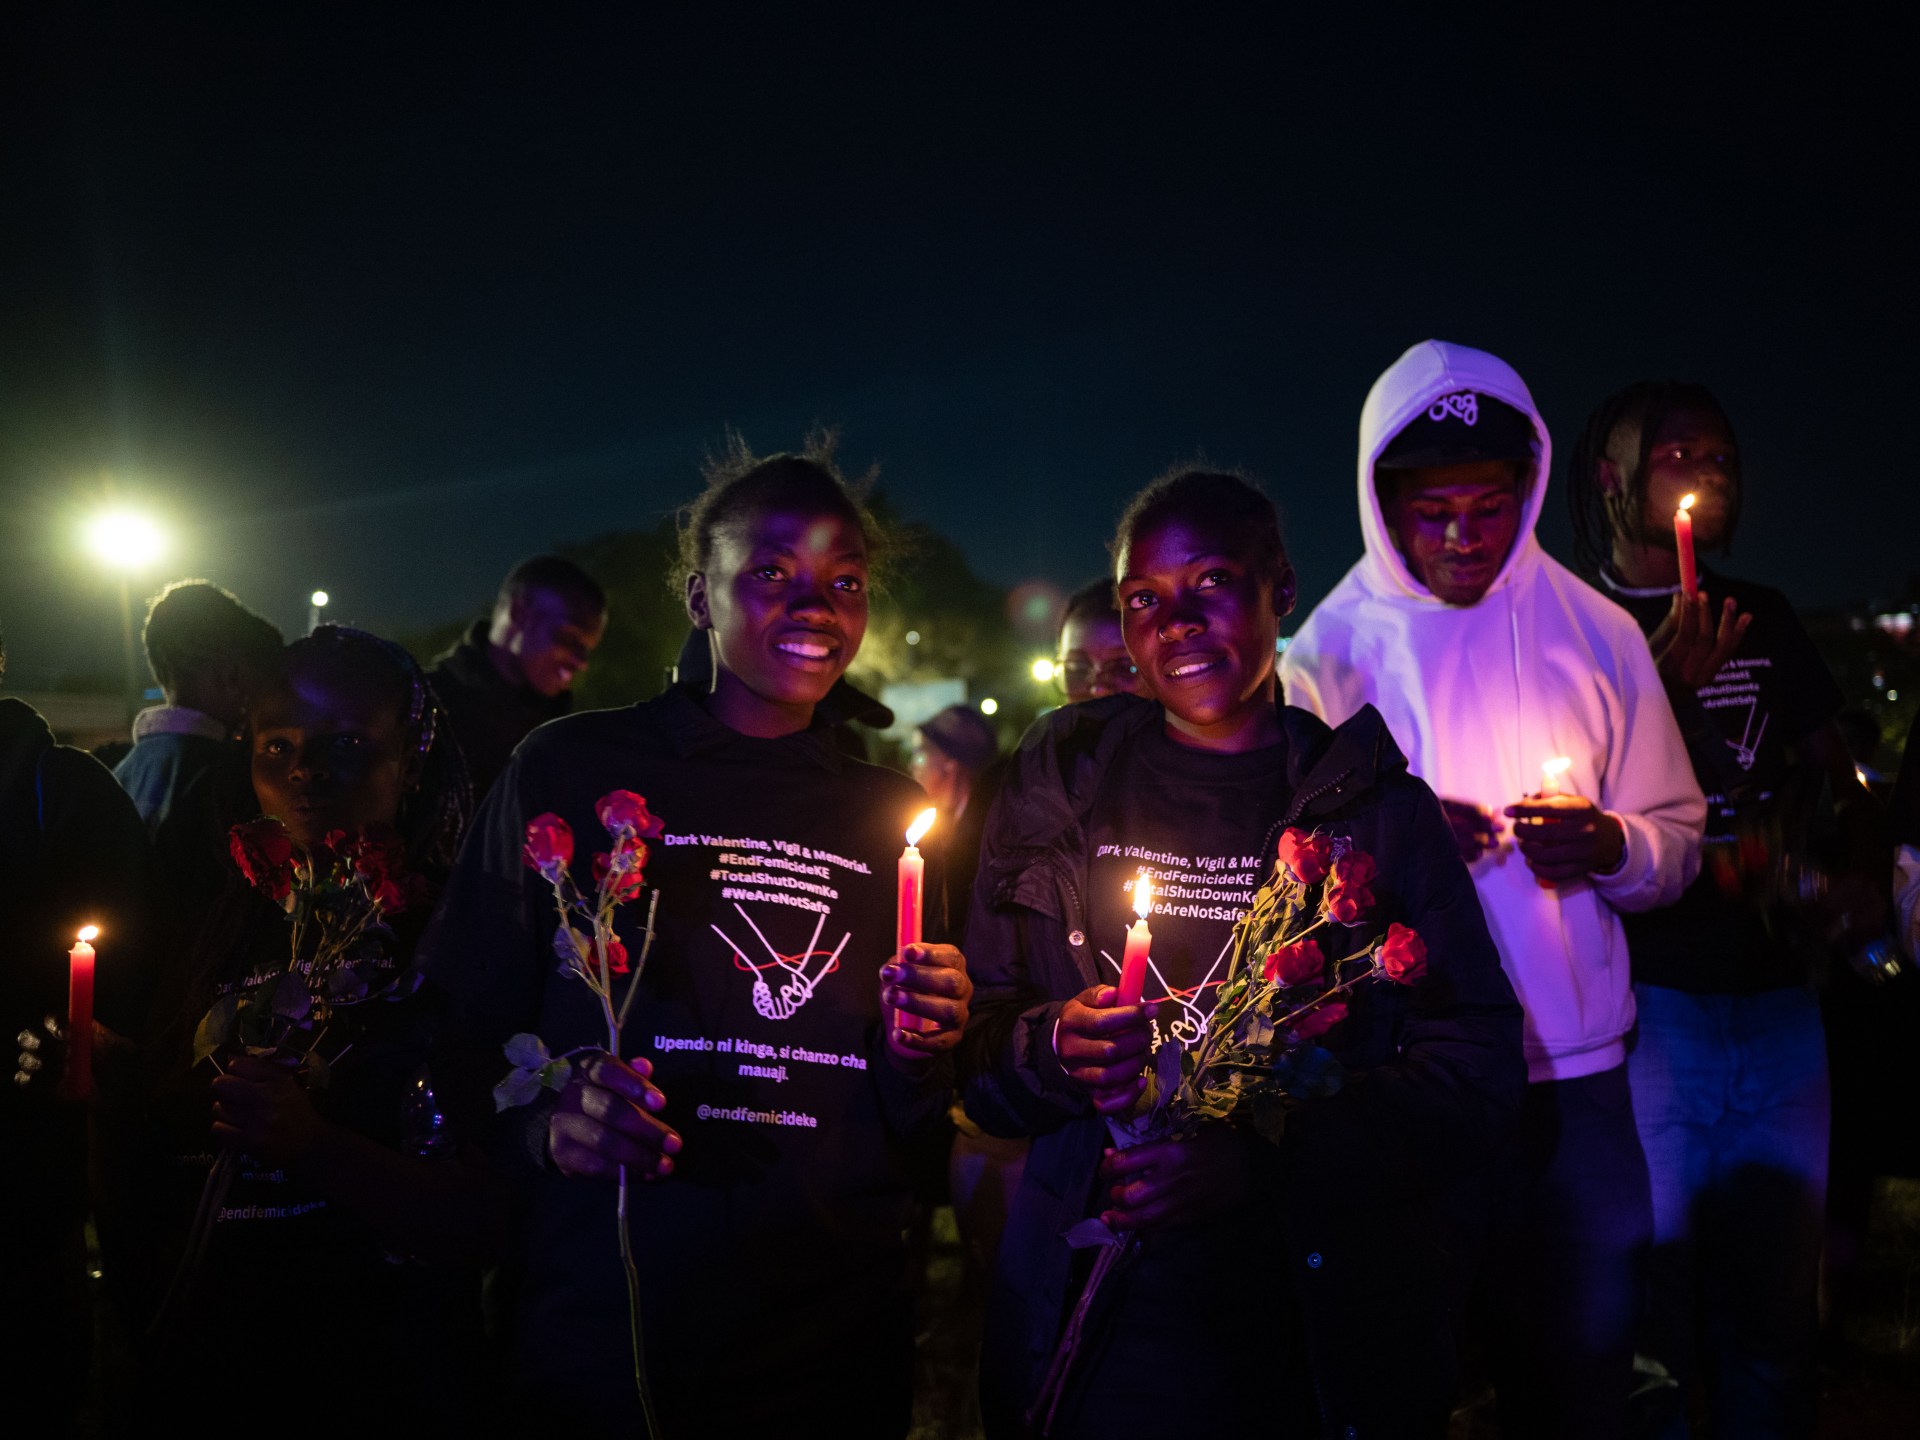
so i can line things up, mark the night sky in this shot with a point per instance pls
(384, 302)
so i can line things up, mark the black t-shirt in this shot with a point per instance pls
(777, 1244)
(1203, 827)
(1774, 692)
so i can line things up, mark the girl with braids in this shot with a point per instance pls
(772, 1118)
(1729, 1070)
(301, 1283)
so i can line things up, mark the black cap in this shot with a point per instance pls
(1459, 429)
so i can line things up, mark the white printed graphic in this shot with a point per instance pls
(800, 985)
(1464, 404)
(1192, 1022)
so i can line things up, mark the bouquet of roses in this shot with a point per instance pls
(590, 949)
(337, 896)
(1258, 1053)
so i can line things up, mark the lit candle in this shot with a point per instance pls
(1133, 964)
(80, 1013)
(913, 886)
(1683, 543)
(1551, 773)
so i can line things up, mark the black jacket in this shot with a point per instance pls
(1436, 1081)
(489, 714)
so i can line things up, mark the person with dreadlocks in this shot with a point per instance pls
(1489, 659)
(303, 1290)
(1729, 1067)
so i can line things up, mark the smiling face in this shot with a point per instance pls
(1691, 454)
(1453, 524)
(1201, 620)
(330, 749)
(785, 594)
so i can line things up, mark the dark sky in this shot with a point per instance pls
(382, 304)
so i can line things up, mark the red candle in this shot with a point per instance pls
(913, 886)
(1683, 543)
(80, 1013)
(1133, 963)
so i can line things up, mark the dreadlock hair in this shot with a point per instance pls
(740, 483)
(434, 813)
(1223, 497)
(1623, 424)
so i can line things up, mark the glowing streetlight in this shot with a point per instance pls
(913, 637)
(989, 706)
(316, 602)
(319, 599)
(1043, 670)
(125, 540)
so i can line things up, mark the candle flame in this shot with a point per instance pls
(87, 932)
(1553, 769)
(1686, 502)
(922, 823)
(1143, 896)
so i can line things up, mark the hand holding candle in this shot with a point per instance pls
(1683, 546)
(1133, 963)
(80, 961)
(912, 898)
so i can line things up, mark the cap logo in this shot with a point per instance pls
(1464, 404)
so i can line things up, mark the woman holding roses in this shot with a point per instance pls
(767, 1102)
(1260, 1265)
(296, 1275)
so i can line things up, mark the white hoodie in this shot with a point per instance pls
(1479, 696)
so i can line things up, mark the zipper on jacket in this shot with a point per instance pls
(1301, 802)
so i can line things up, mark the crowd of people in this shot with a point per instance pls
(1583, 1158)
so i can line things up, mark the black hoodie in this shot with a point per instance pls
(1351, 1198)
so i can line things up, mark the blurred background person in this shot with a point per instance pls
(209, 655)
(515, 669)
(1092, 656)
(73, 852)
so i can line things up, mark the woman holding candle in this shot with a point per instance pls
(770, 1107)
(1192, 788)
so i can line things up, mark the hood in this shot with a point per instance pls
(1411, 385)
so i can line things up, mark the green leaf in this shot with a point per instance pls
(518, 1088)
(291, 999)
(525, 1052)
(214, 1027)
(1090, 1233)
(555, 1074)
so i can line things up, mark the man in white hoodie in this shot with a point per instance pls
(1517, 691)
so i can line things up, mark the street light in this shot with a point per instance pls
(1042, 670)
(125, 541)
(316, 602)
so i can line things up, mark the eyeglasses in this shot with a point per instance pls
(1082, 676)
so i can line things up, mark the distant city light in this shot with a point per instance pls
(989, 706)
(913, 637)
(125, 539)
(1893, 697)
(319, 599)
(1043, 670)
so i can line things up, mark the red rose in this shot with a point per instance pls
(1356, 867)
(1348, 904)
(1322, 1018)
(1297, 964)
(1403, 955)
(549, 846)
(264, 852)
(631, 881)
(616, 956)
(1305, 855)
(625, 814)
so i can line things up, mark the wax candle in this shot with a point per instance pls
(913, 885)
(1553, 773)
(80, 1012)
(1683, 543)
(1133, 963)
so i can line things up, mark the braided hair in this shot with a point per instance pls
(1629, 419)
(434, 814)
